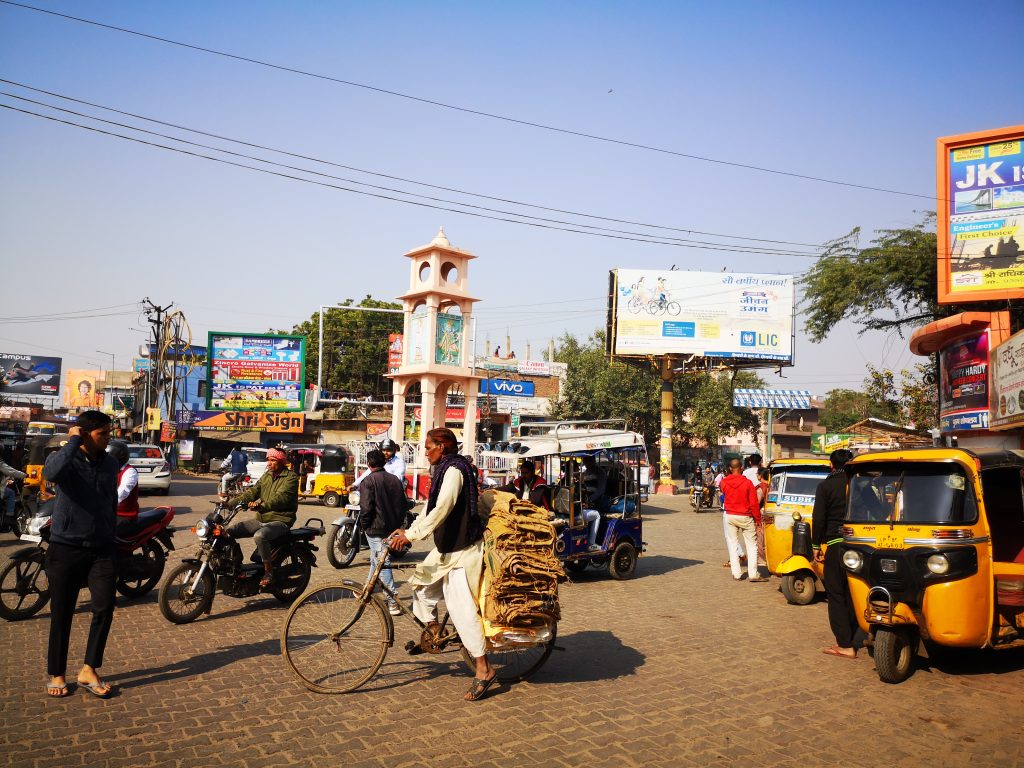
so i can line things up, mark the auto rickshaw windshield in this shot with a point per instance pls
(903, 492)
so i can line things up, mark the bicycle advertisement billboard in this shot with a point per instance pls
(734, 315)
(256, 372)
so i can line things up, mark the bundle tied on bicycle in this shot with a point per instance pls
(519, 594)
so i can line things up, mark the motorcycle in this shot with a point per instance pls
(141, 554)
(238, 483)
(702, 497)
(347, 537)
(189, 589)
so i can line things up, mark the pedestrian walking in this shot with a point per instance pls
(81, 548)
(742, 514)
(764, 477)
(826, 525)
(381, 511)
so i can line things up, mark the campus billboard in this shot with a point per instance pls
(29, 375)
(738, 315)
(256, 372)
(981, 215)
(963, 389)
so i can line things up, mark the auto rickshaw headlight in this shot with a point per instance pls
(938, 564)
(797, 517)
(853, 560)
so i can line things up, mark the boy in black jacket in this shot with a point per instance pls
(81, 548)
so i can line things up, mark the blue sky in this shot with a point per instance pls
(856, 93)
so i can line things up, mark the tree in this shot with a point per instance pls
(844, 407)
(880, 390)
(355, 347)
(891, 284)
(596, 388)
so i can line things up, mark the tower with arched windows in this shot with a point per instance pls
(437, 344)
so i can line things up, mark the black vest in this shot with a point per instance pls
(460, 528)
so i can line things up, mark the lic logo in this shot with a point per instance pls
(748, 339)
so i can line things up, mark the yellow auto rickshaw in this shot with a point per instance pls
(933, 548)
(331, 479)
(35, 456)
(787, 526)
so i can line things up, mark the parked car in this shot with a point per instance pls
(257, 462)
(152, 466)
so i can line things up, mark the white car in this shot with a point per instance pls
(257, 462)
(153, 468)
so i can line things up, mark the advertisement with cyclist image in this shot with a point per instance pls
(711, 314)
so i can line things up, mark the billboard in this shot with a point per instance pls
(80, 389)
(1006, 395)
(742, 316)
(981, 215)
(963, 389)
(248, 421)
(396, 349)
(256, 372)
(507, 387)
(29, 375)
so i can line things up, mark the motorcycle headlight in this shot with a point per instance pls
(938, 564)
(353, 497)
(202, 528)
(853, 560)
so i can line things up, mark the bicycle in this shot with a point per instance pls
(335, 637)
(662, 305)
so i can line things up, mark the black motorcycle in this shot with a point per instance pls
(347, 537)
(189, 589)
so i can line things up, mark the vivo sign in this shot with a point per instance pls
(507, 387)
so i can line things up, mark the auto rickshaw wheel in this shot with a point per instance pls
(576, 566)
(895, 650)
(622, 563)
(330, 499)
(799, 588)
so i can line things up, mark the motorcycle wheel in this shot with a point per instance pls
(153, 554)
(179, 608)
(341, 546)
(24, 590)
(291, 577)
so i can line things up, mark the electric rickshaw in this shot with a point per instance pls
(787, 526)
(558, 449)
(331, 477)
(933, 546)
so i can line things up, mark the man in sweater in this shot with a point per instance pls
(275, 498)
(826, 531)
(381, 511)
(81, 548)
(742, 513)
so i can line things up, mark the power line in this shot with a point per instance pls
(466, 110)
(652, 240)
(65, 319)
(393, 177)
(51, 315)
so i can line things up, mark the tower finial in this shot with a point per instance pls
(441, 239)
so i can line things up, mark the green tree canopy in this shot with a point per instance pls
(596, 388)
(355, 347)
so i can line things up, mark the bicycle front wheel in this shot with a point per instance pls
(333, 641)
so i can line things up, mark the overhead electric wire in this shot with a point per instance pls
(466, 110)
(400, 178)
(652, 240)
(69, 312)
(65, 319)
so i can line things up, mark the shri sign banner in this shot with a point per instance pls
(981, 215)
(256, 372)
(711, 314)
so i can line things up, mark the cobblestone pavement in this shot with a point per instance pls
(680, 666)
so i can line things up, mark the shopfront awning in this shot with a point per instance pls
(937, 335)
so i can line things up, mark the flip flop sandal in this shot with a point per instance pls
(62, 687)
(840, 654)
(96, 689)
(480, 687)
(267, 581)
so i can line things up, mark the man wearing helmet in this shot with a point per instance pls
(127, 486)
(275, 499)
(394, 464)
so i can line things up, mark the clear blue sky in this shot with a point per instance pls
(852, 92)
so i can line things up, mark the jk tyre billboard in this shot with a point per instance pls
(711, 314)
(981, 215)
(256, 372)
(29, 375)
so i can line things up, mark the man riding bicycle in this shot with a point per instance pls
(275, 499)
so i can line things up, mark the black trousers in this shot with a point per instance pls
(840, 606)
(68, 569)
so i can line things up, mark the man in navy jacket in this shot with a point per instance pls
(81, 548)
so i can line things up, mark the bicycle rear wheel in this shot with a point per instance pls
(516, 664)
(333, 641)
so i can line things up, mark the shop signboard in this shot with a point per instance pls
(507, 388)
(1006, 395)
(830, 441)
(249, 421)
(256, 372)
(740, 316)
(450, 414)
(963, 388)
(186, 449)
(981, 215)
(396, 348)
(535, 367)
(29, 374)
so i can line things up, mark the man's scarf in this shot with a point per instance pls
(460, 464)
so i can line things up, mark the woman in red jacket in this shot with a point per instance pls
(742, 515)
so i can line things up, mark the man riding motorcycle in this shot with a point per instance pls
(275, 499)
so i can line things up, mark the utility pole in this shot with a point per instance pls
(155, 317)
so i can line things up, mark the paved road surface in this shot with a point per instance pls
(680, 666)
